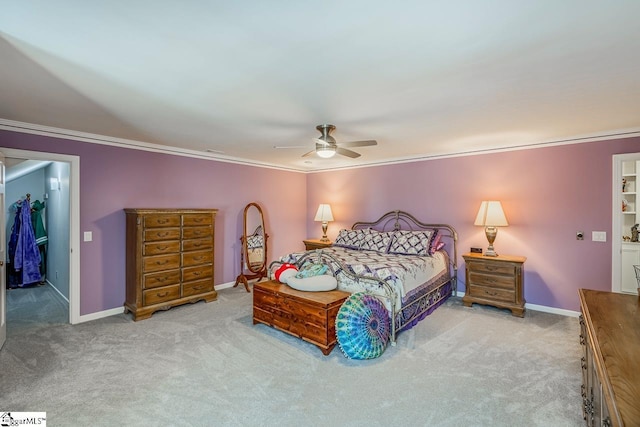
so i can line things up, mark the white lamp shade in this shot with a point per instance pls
(324, 213)
(491, 215)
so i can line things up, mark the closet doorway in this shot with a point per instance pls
(51, 180)
(626, 220)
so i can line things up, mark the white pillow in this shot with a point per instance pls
(324, 282)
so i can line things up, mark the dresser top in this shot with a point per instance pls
(167, 210)
(613, 321)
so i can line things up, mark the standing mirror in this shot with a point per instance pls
(253, 253)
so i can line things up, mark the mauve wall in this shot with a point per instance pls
(114, 178)
(548, 194)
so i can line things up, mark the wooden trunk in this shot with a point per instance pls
(310, 316)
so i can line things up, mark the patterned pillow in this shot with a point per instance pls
(351, 239)
(376, 241)
(362, 326)
(405, 242)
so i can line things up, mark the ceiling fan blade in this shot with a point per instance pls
(309, 153)
(347, 153)
(366, 143)
(320, 141)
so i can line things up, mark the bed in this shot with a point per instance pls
(408, 265)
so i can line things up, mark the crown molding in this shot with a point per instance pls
(93, 138)
(157, 148)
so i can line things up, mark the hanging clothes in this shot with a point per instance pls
(40, 234)
(14, 278)
(27, 258)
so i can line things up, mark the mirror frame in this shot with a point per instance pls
(257, 271)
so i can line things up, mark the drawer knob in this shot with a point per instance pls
(162, 295)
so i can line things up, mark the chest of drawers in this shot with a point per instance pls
(496, 281)
(170, 254)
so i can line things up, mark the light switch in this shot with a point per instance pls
(599, 236)
(88, 236)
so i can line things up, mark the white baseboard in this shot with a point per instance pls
(543, 308)
(224, 285)
(100, 314)
(120, 310)
(553, 310)
(57, 291)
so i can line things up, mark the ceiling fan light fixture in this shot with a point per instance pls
(325, 151)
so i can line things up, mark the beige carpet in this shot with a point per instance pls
(208, 365)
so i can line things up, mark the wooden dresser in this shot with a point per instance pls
(310, 316)
(169, 258)
(496, 281)
(610, 338)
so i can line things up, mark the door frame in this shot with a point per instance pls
(616, 234)
(74, 219)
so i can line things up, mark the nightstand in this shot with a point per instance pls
(496, 281)
(311, 244)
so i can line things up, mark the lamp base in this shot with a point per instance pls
(490, 251)
(324, 232)
(491, 233)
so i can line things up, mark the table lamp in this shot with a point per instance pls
(491, 216)
(324, 214)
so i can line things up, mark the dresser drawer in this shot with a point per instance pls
(160, 262)
(196, 273)
(189, 220)
(493, 268)
(158, 295)
(161, 248)
(196, 232)
(198, 287)
(161, 220)
(197, 258)
(494, 281)
(156, 234)
(164, 278)
(492, 293)
(195, 244)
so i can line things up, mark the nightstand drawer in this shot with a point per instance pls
(493, 268)
(504, 282)
(492, 293)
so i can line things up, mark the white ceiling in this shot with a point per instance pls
(423, 78)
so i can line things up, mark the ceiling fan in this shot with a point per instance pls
(326, 145)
